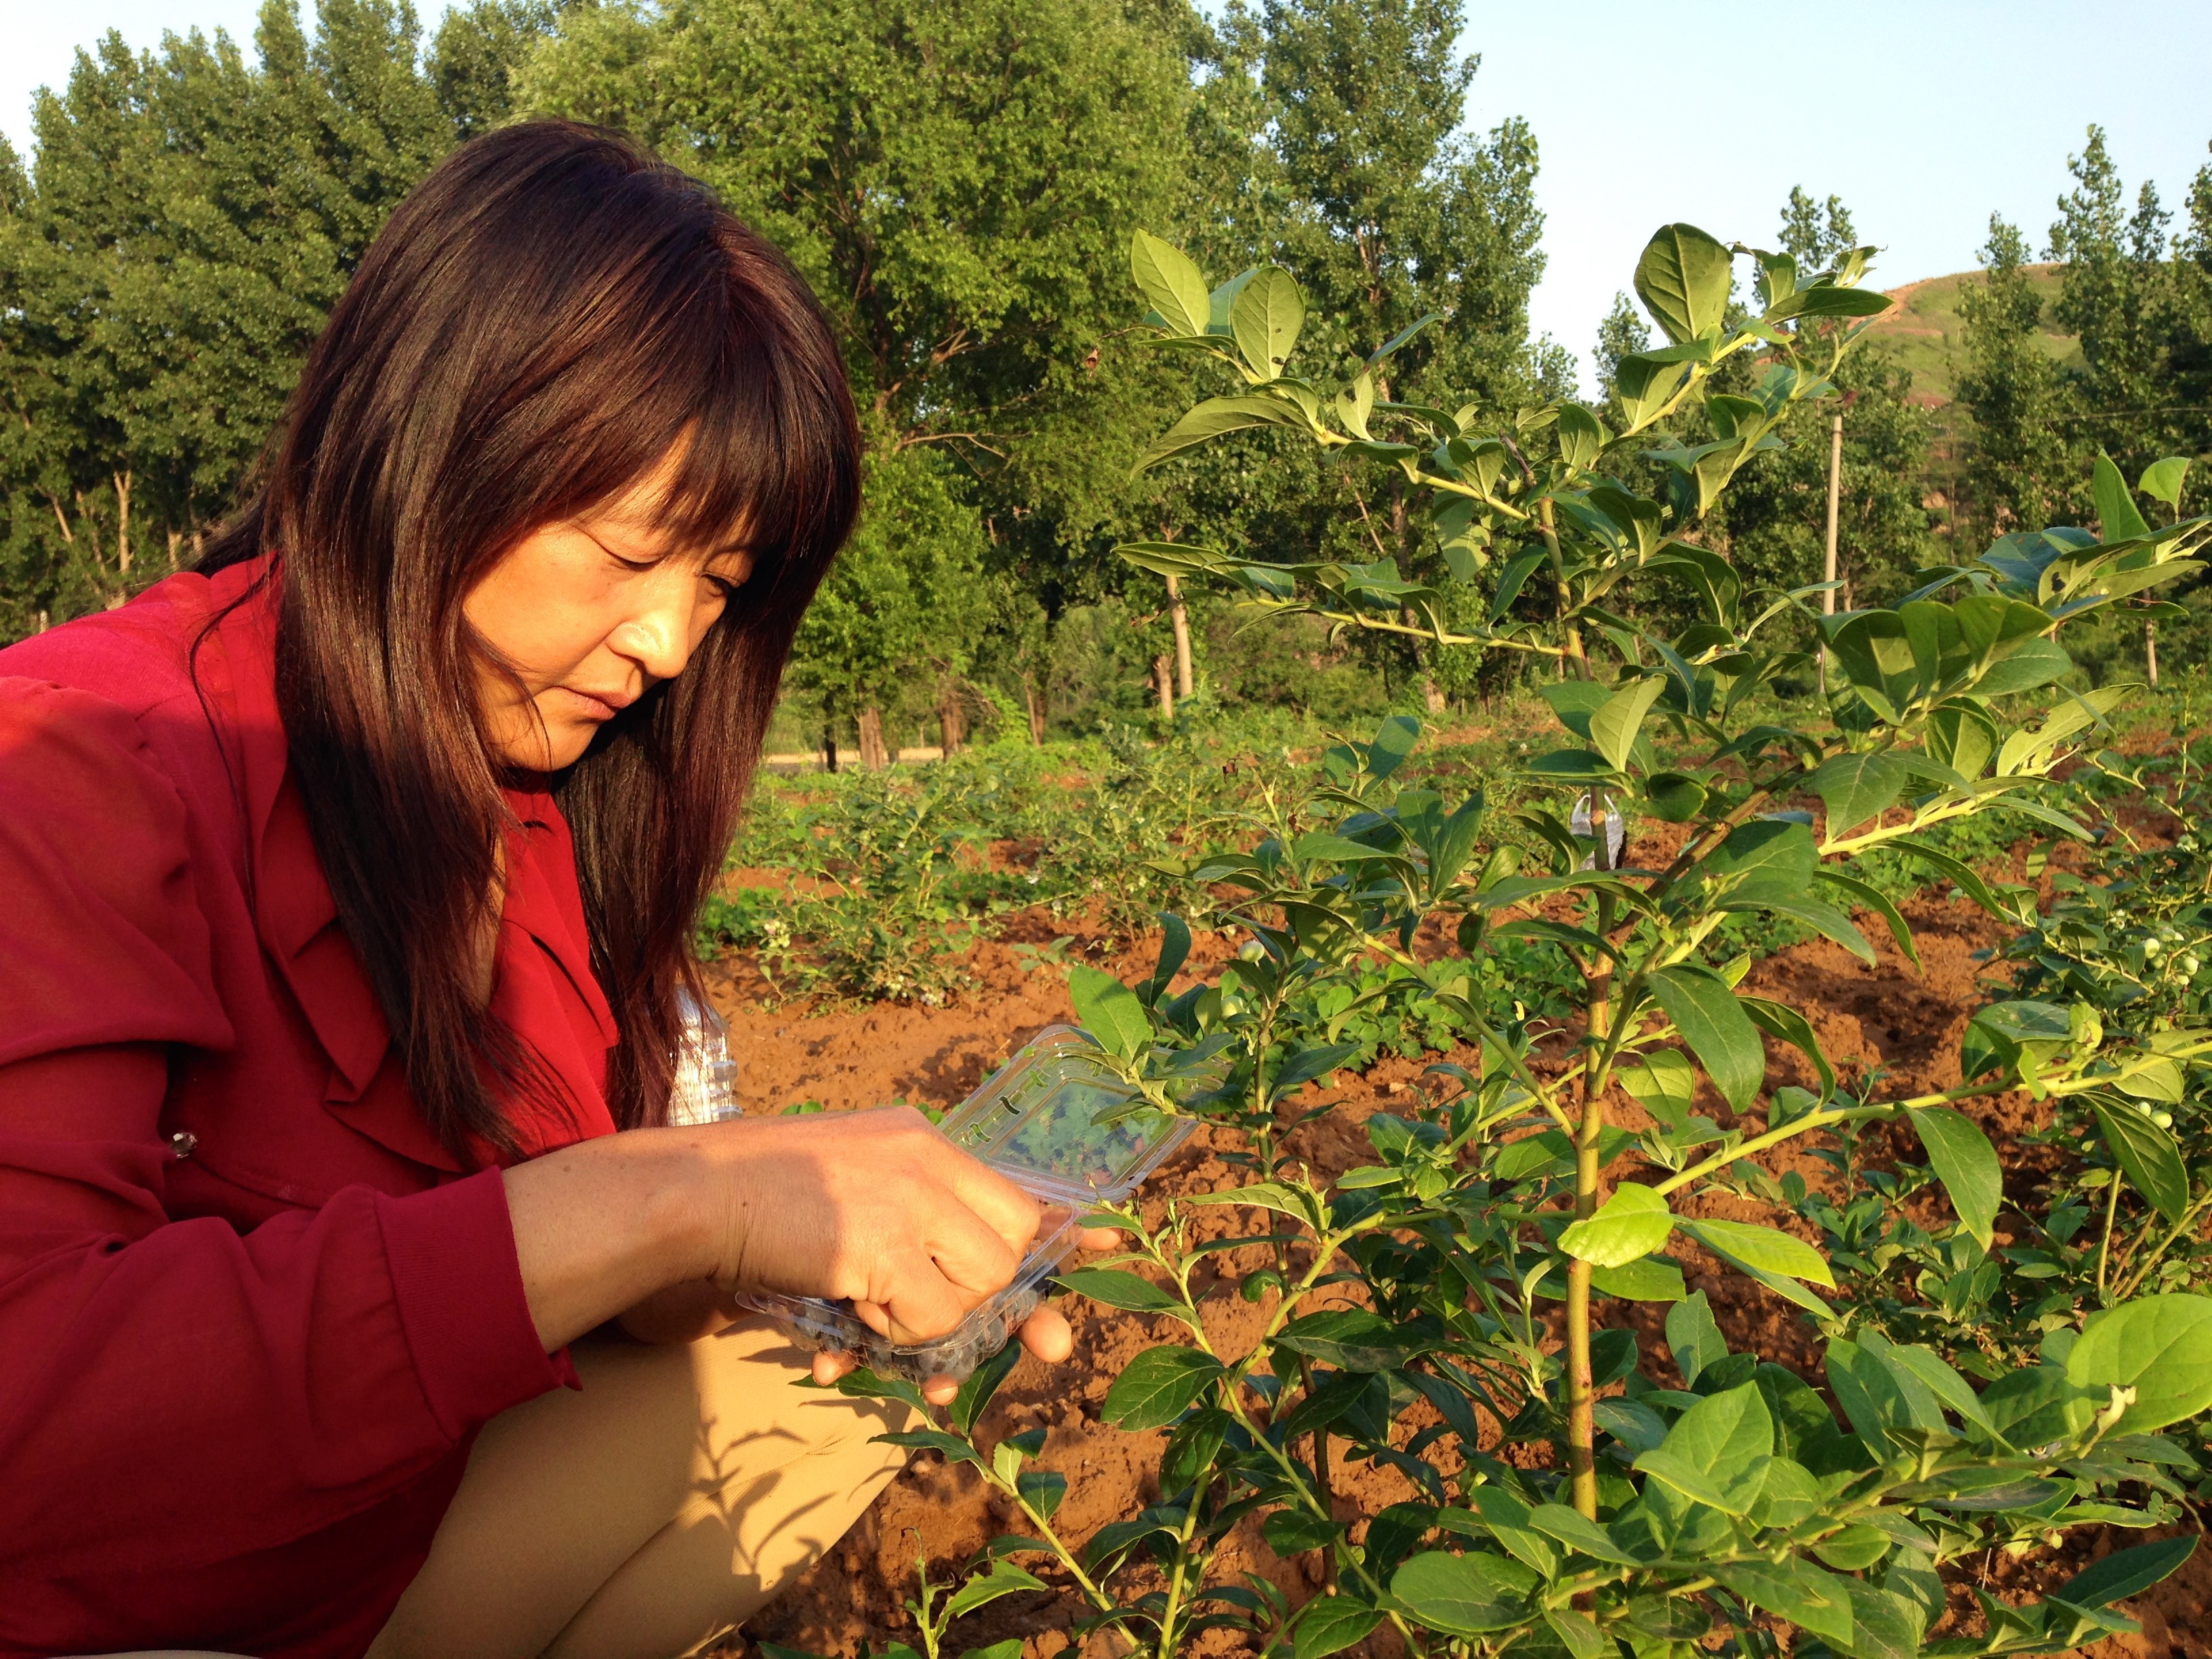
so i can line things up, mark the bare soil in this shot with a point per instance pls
(1886, 1018)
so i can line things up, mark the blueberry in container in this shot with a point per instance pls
(1038, 1122)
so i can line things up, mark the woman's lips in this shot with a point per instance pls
(597, 705)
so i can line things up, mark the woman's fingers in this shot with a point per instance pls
(1003, 1207)
(829, 1367)
(1045, 1334)
(1101, 1239)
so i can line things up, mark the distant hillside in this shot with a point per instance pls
(1925, 332)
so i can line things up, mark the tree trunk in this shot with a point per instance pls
(2150, 650)
(1035, 698)
(829, 746)
(950, 718)
(1180, 617)
(874, 755)
(1433, 695)
(1163, 678)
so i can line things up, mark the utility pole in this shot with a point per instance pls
(1835, 496)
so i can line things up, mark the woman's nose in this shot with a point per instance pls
(658, 636)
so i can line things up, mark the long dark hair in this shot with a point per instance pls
(550, 316)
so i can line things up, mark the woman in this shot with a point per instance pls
(344, 891)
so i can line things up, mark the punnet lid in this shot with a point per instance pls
(1038, 1122)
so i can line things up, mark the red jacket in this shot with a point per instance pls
(251, 1312)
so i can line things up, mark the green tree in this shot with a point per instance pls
(1775, 518)
(187, 222)
(957, 182)
(1816, 233)
(2018, 470)
(2116, 298)
(1388, 214)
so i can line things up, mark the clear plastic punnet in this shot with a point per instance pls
(1037, 1122)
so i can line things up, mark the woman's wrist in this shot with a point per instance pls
(602, 1225)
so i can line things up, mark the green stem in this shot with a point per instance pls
(1820, 1120)
(1561, 590)
(1176, 1578)
(2105, 1243)
(2188, 1219)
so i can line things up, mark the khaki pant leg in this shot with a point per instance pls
(649, 1514)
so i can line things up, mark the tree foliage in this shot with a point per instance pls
(187, 222)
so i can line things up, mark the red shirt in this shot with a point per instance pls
(251, 1313)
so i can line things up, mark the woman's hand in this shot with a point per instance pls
(1045, 1334)
(874, 1207)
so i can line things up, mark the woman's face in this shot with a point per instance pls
(590, 613)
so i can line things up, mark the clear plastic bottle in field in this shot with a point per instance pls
(705, 1087)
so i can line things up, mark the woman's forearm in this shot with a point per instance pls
(874, 1207)
(602, 1225)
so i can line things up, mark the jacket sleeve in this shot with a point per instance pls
(172, 1388)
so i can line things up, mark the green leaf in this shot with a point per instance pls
(1632, 1224)
(1464, 1594)
(1156, 1387)
(1004, 1578)
(1110, 1010)
(1170, 282)
(1357, 1340)
(2125, 1572)
(1881, 903)
(1718, 1450)
(1614, 726)
(1214, 418)
(1394, 740)
(1579, 1634)
(1814, 1600)
(1830, 301)
(1330, 1624)
(1766, 1248)
(1823, 919)
(1043, 1490)
(1175, 950)
(1648, 1280)
(1578, 1532)
(1293, 1532)
(951, 1447)
(1967, 1164)
(1968, 880)
(1786, 1024)
(2160, 1346)
(1684, 279)
(1856, 787)
(2118, 517)
(1118, 1288)
(1705, 1011)
(981, 1384)
(1672, 797)
(1663, 1083)
(2148, 1156)
(1582, 436)
(1926, 1367)
(2161, 480)
(1694, 1340)
(1266, 320)
(1308, 1064)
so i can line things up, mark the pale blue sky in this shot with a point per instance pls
(1924, 117)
